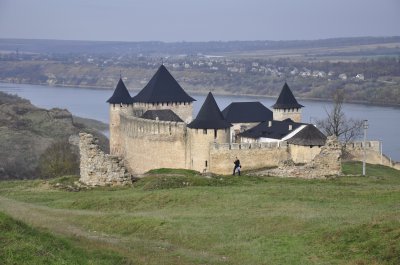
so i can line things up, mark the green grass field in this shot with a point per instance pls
(178, 217)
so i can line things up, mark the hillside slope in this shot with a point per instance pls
(27, 131)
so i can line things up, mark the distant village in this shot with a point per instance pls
(205, 63)
(311, 75)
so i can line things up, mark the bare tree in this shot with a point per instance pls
(336, 123)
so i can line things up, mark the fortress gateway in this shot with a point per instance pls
(155, 129)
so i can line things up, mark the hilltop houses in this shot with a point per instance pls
(156, 129)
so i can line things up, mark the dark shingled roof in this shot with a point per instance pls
(277, 130)
(286, 100)
(209, 116)
(120, 95)
(162, 87)
(162, 115)
(241, 112)
(308, 136)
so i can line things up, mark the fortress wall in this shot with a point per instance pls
(303, 154)
(251, 156)
(369, 145)
(199, 147)
(149, 144)
(355, 151)
(182, 109)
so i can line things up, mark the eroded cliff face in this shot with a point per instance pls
(26, 131)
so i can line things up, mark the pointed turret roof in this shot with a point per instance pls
(209, 116)
(120, 95)
(162, 87)
(286, 100)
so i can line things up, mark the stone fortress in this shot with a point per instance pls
(156, 129)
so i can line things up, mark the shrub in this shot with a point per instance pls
(58, 160)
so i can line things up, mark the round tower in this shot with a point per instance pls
(286, 106)
(120, 102)
(209, 127)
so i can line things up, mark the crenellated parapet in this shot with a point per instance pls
(247, 146)
(136, 127)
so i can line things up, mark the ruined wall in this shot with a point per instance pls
(251, 156)
(199, 147)
(327, 163)
(149, 144)
(97, 168)
(183, 109)
(303, 154)
(283, 114)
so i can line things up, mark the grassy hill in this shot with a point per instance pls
(179, 217)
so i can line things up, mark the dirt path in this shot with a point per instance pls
(55, 220)
(59, 221)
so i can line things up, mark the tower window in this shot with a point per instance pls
(215, 134)
(206, 163)
(204, 131)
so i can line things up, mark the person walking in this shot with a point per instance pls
(237, 166)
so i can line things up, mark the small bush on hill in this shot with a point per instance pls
(58, 160)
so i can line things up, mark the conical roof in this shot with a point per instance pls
(309, 136)
(286, 100)
(209, 116)
(120, 95)
(162, 87)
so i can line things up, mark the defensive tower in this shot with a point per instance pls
(209, 127)
(286, 106)
(120, 102)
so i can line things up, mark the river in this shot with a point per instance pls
(384, 122)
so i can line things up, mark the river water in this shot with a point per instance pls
(384, 122)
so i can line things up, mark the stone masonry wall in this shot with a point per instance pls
(97, 168)
(149, 144)
(303, 154)
(355, 151)
(251, 156)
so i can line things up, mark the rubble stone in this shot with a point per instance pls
(98, 168)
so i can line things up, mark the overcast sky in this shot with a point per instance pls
(197, 20)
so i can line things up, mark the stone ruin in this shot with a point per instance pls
(98, 168)
(328, 163)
